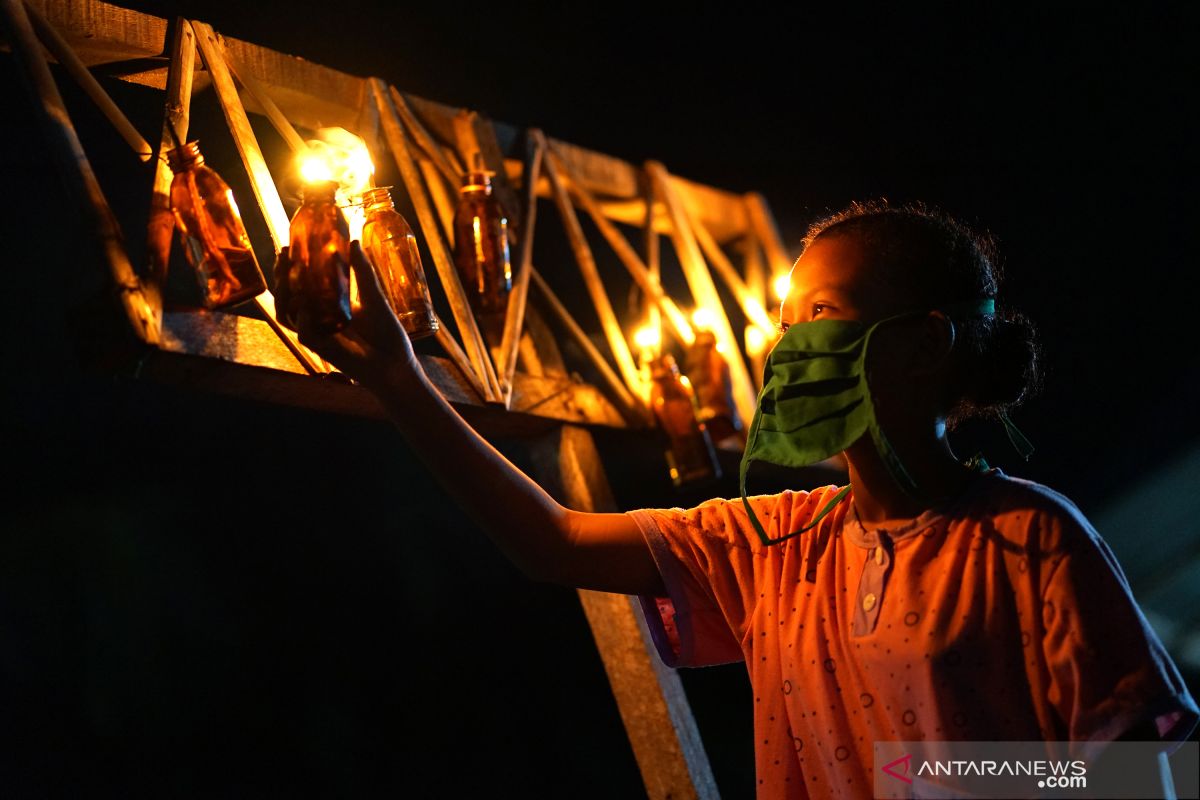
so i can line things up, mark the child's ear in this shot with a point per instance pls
(935, 342)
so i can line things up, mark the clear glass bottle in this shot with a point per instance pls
(690, 453)
(320, 253)
(389, 243)
(708, 372)
(481, 252)
(210, 227)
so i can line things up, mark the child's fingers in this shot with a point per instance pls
(369, 289)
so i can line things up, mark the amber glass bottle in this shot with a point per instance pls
(210, 227)
(690, 453)
(709, 374)
(389, 242)
(481, 252)
(320, 254)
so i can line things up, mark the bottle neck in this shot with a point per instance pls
(186, 156)
(377, 200)
(477, 182)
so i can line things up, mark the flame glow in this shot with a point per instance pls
(781, 285)
(756, 340)
(338, 155)
(647, 337)
(703, 319)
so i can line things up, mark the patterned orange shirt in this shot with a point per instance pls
(1001, 616)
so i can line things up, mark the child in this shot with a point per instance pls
(927, 600)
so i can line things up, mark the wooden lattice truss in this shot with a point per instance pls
(430, 143)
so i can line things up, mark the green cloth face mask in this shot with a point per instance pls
(816, 402)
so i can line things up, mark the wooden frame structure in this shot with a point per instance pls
(430, 143)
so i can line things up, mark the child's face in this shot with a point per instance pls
(832, 280)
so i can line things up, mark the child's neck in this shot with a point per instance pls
(928, 459)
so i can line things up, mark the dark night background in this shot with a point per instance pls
(205, 596)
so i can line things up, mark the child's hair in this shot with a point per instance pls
(937, 260)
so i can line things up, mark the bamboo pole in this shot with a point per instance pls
(591, 278)
(441, 198)
(277, 118)
(66, 56)
(752, 306)
(449, 169)
(514, 320)
(473, 344)
(762, 223)
(704, 290)
(679, 324)
(260, 180)
(456, 354)
(176, 119)
(634, 411)
(76, 171)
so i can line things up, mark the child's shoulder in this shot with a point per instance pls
(1031, 512)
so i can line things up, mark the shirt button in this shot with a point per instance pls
(879, 556)
(869, 602)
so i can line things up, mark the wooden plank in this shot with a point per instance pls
(76, 171)
(312, 95)
(263, 98)
(650, 698)
(472, 341)
(261, 182)
(451, 171)
(591, 278)
(241, 356)
(705, 291)
(679, 325)
(75, 67)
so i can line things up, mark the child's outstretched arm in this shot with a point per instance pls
(547, 541)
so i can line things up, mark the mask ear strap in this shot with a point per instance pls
(762, 534)
(1022, 445)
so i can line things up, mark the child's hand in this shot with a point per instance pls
(371, 343)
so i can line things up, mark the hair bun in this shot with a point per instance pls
(1007, 370)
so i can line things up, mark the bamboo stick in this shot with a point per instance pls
(450, 170)
(277, 118)
(473, 344)
(442, 201)
(679, 325)
(634, 411)
(704, 290)
(762, 223)
(535, 147)
(260, 180)
(752, 307)
(591, 278)
(176, 119)
(456, 354)
(76, 171)
(65, 56)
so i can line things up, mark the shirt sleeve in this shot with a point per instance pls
(1108, 670)
(709, 578)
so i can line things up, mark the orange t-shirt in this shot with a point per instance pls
(1002, 616)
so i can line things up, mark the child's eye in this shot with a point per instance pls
(818, 308)
(781, 327)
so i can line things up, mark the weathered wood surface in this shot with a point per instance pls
(649, 695)
(311, 95)
(238, 355)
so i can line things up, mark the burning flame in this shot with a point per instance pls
(338, 155)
